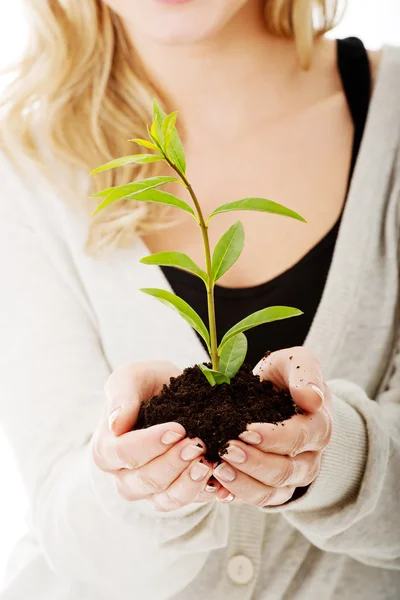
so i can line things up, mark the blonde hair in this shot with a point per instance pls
(82, 86)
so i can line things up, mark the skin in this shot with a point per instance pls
(269, 121)
(152, 463)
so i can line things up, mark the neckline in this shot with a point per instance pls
(348, 50)
(244, 292)
(338, 315)
(354, 68)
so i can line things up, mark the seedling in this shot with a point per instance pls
(228, 355)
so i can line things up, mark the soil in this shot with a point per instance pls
(217, 414)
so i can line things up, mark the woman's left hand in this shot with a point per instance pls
(273, 460)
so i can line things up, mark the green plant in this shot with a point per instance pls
(228, 356)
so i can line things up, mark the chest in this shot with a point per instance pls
(301, 161)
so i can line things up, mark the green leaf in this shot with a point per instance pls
(233, 355)
(118, 192)
(156, 127)
(158, 113)
(156, 143)
(149, 195)
(266, 315)
(175, 152)
(163, 198)
(145, 144)
(214, 377)
(175, 259)
(124, 189)
(138, 186)
(257, 204)
(181, 307)
(126, 160)
(168, 127)
(148, 158)
(161, 133)
(227, 250)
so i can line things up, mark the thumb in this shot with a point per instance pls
(297, 370)
(128, 386)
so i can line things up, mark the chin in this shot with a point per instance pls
(177, 23)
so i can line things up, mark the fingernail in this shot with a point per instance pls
(317, 390)
(227, 499)
(170, 437)
(198, 471)
(211, 488)
(190, 452)
(250, 437)
(225, 472)
(127, 466)
(235, 454)
(113, 417)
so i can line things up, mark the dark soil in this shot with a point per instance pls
(217, 414)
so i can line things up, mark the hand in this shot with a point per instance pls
(160, 463)
(273, 460)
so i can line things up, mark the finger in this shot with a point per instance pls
(131, 384)
(210, 491)
(301, 433)
(249, 490)
(297, 370)
(273, 470)
(136, 448)
(224, 496)
(187, 488)
(157, 475)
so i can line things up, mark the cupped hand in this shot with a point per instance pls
(160, 463)
(271, 461)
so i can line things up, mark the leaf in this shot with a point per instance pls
(168, 127)
(156, 143)
(175, 259)
(118, 192)
(266, 315)
(126, 160)
(125, 189)
(156, 127)
(148, 158)
(174, 150)
(214, 377)
(181, 307)
(162, 198)
(149, 195)
(176, 153)
(138, 186)
(233, 355)
(257, 204)
(227, 250)
(158, 113)
(145, 143)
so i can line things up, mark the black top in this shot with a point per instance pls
(301, 285)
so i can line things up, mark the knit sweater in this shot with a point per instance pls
(67, 320)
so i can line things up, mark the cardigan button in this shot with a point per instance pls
(240, 569)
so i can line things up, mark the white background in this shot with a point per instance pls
(375, 21)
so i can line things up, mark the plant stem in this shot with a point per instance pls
(210, 284)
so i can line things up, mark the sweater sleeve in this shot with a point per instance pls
(353, 505)
(52, 373)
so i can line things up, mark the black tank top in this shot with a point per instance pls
(301, 285)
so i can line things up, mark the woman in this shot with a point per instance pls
(267, 107)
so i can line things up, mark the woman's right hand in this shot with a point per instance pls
(160, 463)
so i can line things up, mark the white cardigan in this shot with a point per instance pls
(67, 320)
